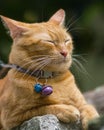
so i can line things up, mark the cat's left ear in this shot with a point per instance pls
(58, 17)
(15, 27)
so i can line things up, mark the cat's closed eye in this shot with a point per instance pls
(55, 41)
(67, 41)
(50, 41)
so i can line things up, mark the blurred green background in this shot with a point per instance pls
(85, 19)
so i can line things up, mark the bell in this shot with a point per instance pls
(38, 88)
(47, 90)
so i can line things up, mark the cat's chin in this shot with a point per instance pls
(59, 67)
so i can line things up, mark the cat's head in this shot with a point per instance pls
(45, 45)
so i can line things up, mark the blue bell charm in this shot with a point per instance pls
(45, 90)
(38, 88)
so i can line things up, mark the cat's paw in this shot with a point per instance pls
(86, 120)
(89, 113)
(68, 114)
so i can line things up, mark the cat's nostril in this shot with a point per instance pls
(63, 53)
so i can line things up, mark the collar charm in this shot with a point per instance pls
(45, 90)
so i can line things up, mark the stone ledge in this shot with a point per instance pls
(47, 122)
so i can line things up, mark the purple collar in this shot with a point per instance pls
(38, 73)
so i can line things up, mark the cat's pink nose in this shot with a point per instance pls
(63, 53)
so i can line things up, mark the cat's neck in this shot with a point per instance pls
(42, 74)
(13, 74)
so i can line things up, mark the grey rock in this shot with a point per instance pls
(47, 122)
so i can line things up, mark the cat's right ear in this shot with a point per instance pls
(15, 27)
(58, 17)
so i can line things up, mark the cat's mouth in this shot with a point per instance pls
(61, 61)
(59, 65)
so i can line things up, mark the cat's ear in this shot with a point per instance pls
(58, 17)
(14, 27)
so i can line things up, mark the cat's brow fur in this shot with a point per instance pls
(47, 46)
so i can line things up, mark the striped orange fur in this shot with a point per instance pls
(47, 46)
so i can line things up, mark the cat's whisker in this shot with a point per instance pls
(22, 67)
(79, 65)
(70, 21)
(25, 63)
(32, 57)
(28, 69)
(33, 61)
(68, 28)
(40, 67)
(37, 62)
(80, 57)
(77, 29)
(33, 66)
(44, 62)
(81, 68)
(44, 65)
(49, 60)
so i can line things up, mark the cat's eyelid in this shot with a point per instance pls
(50, 41)
(67, 41)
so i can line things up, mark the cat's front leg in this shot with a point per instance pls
(88, 112)
(65, 113)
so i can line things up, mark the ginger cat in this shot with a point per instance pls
(45, 46)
